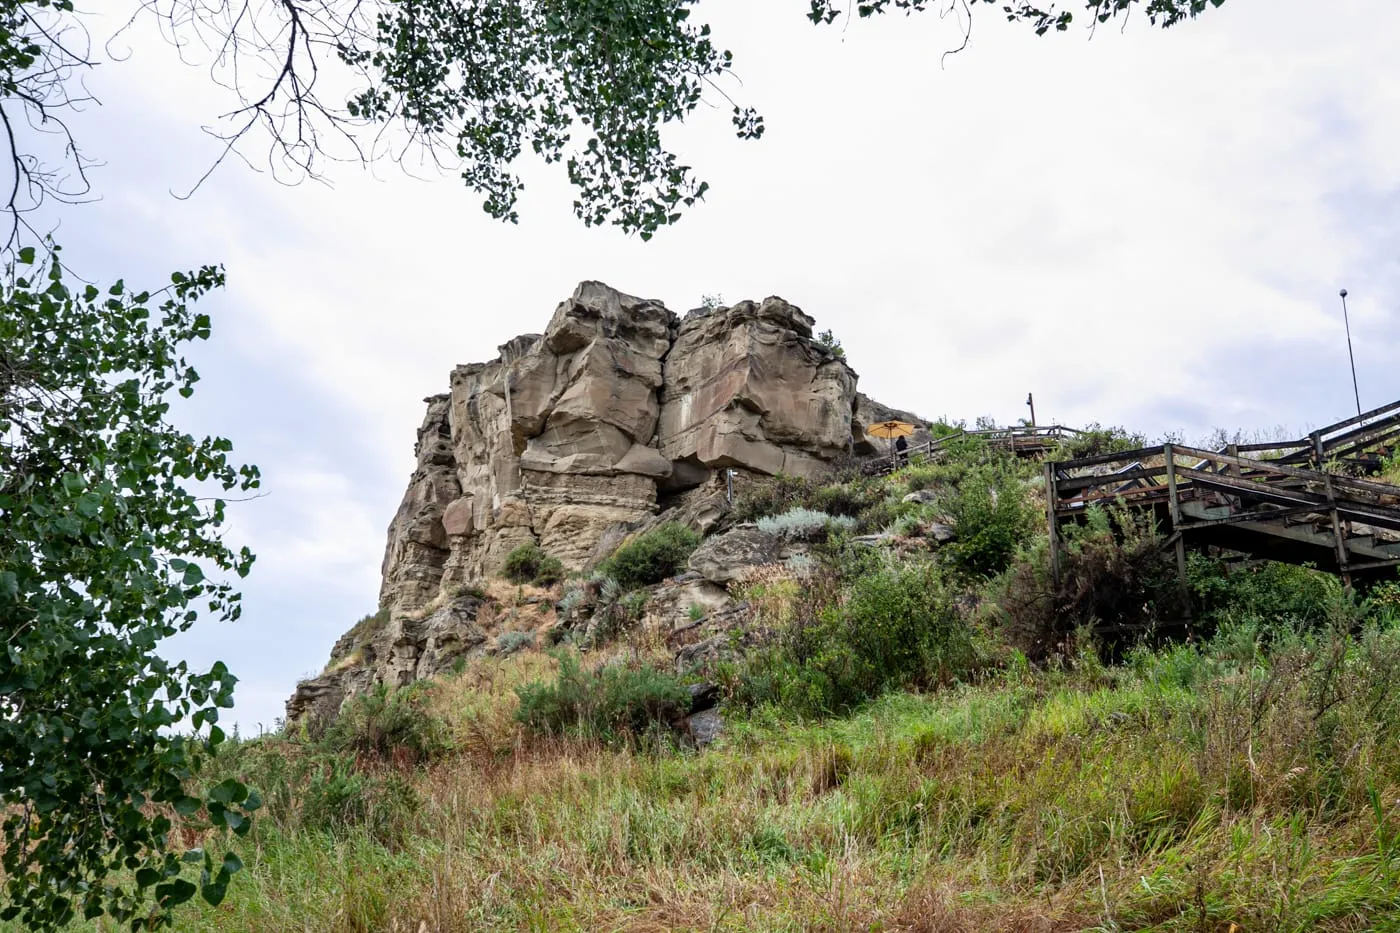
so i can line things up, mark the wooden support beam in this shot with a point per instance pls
(1052, 495)
(1174, 506)
(1338, 534)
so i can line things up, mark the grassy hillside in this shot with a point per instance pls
(931, 739)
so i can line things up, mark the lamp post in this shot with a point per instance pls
(1347, 323)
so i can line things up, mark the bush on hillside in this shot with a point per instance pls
(1269, 592)
(1112, 571)
(392, 725)
(529, 564)
(799, 524)
(652, 557)
(993, 518)
(338, 798)
(770, 497)
(847, 500)
(895, 625)
(615, 703)
(1095, 440)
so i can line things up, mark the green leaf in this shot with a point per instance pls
(174, 893)
(26, 256)
(214, 893)
(188, 806)
(228, 791)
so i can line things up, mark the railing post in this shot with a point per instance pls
(1052, 501)
(1174, 509)
(1317, 449)
(1343, 553)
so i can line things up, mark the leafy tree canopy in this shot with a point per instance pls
(470, 84)
(104, 552)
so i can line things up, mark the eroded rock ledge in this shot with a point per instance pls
(620, 413)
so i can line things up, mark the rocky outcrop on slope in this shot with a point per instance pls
(619, 416)
(620, 409)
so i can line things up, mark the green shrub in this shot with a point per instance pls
(1273, 593)
(550, 572)
(392, 724)
(993, 518)
(1095, 440)
(846, 499)
(652, 557)
(529, 564)
(897, 626)
(615, 703)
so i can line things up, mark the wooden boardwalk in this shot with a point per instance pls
(1022, 441)
(1304, 501)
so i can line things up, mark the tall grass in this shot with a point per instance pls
(1187, 789)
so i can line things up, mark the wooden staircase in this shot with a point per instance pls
(1304, 501)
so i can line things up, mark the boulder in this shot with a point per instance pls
(940, 532)
(703, 728)
(726, 557)
(418, 545)
(747, 386)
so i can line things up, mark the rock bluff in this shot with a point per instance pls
(620, 415)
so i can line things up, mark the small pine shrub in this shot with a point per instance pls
(615, 704)
(652, 557)
(550, 572)
(529, 564)
(392, 724)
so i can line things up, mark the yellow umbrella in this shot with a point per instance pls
(890, 430)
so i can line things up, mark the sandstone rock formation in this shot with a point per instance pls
(572, 438)
(620, 415)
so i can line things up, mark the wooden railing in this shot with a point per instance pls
(1246, 503)
(1021, 440)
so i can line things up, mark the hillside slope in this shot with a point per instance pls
(916, 731)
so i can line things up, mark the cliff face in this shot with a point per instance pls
(571, 436)
(575, 437)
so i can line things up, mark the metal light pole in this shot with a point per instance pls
(1351, 355)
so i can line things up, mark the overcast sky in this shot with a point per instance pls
(1147, 228)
